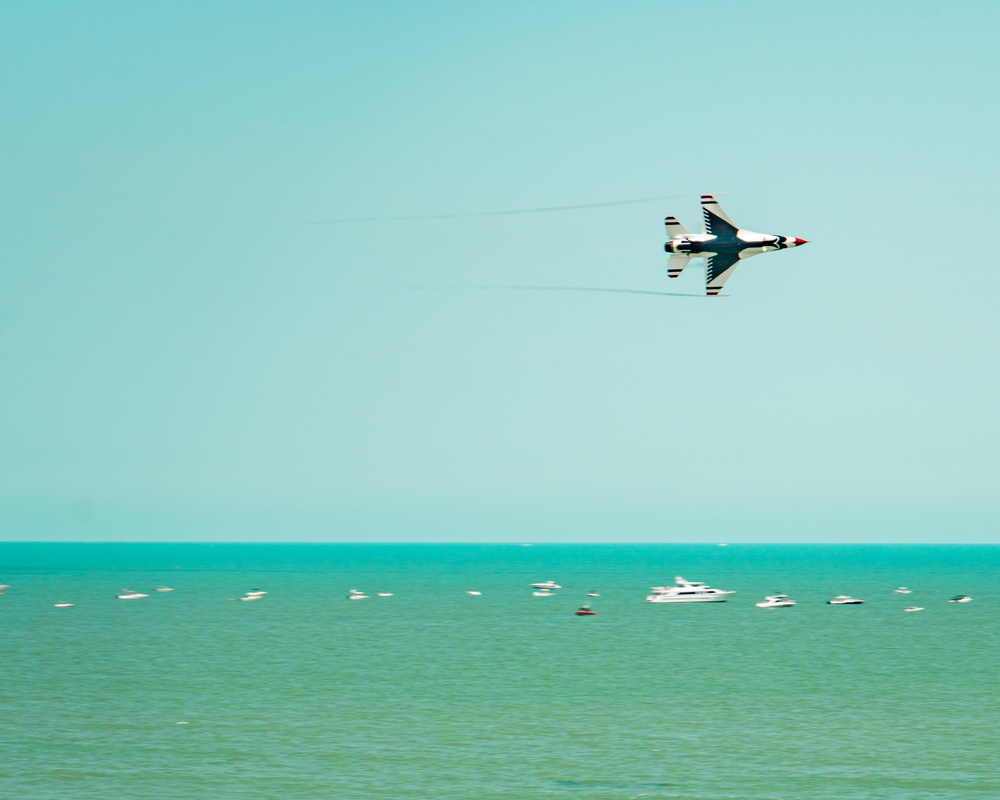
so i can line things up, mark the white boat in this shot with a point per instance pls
(543, 593)
(248, 597)
(163, 589)
(903, 590)
(844, 600)
(355, 594)
(593, 594)
(128, 594)
(776, 601)
(687, 592)
(914, 608)
(62, 605)
(254, 593)
(473, 592)
(960, 598)
(384, 594)
(546, 585)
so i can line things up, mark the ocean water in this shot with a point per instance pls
(433, 693)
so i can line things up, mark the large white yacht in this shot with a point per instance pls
(687, 592)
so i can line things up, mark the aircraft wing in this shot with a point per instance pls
(717, 221)
(718, 268)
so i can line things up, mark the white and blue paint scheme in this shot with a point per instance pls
(721, 243)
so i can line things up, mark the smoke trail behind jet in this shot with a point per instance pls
(503, 213)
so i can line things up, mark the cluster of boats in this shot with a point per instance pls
(684, 591)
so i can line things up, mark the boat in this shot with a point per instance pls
(128, 594)
(473, 592)
(903, 590)
(355, 594)
(844, 600)
(960, 598)
(384, 594)
(62, 605)
(248, 597)
(914, 608)
(776, 601)
(543, 593)
(254, 593)
(684, 591)
(546, 585)
(163, 589)
(585, 611)
(593, 594)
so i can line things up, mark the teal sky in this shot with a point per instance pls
(186, 354)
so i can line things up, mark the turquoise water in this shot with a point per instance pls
(433, 693)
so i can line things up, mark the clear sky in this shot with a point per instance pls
(186, 354)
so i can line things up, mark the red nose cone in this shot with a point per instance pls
(801, 241)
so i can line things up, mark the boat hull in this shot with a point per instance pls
(721, 597)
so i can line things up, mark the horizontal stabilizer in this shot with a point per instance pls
(676, 264)
(674, 228)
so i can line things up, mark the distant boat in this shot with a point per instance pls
(546, 585)
(776, 601)
(163, 589)
(384, 594)
(844, 600)
(903, 590)
(593, 594)
(248, 597)
(356, 594)
(254, 593)
(62, 605)
(914, 608)
(473, 592)
(128, 594)
(960, 598)
(585, 611)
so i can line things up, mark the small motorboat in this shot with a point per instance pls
(163, 589)
(248, 597)
(384, 594)
(62, 605)
(844, 600)
(776, 601)
(355, 594)
(128, 594)
(473, 592)
(543, 593)
(914, 608)
(960, 598)
(546, 585)
(593, 594)
(253, 593)
(903, 590)
(585, 611)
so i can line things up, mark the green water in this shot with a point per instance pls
(433, 693)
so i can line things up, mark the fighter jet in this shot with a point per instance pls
(721, 243)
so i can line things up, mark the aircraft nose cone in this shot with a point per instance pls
(799, 241)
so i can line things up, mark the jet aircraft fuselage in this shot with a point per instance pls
(722, 244)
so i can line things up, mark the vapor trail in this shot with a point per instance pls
(507, 212)
(566, 289)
